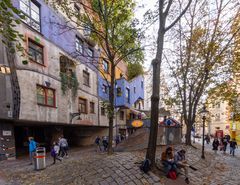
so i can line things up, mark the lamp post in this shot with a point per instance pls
(204, 112)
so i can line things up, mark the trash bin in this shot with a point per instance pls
(40, 158)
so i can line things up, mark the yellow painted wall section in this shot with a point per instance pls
(120, 69)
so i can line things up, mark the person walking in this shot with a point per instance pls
(63, 147)
(32, 148)
(207, 138)
(225, 143)
(181, 162)
(233, 146)
(215, 145)
(105, 143)
(54, 152)
(98, 143)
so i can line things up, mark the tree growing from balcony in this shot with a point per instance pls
(111, 26)
(134, 70)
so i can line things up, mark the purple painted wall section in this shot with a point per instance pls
(55, 29)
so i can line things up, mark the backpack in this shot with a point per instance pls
(172, 175)
(145, 167)
(53, 153)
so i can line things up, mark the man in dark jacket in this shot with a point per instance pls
(215, 145)
(233, 146)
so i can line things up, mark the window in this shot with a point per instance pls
(217, 117)
(128, 95)
(102, 111)
(82, 105)
(87, 31)
(89, 52)
(32, 12)
(121, 115)
(86, 80)
(119, 91)
(76, 8)
(35, 52)
(104, 88)
(66, 65)
(45, 96)
(79, 45)
(134, 89)
(105, 66)
(141, 84)
(92, 107)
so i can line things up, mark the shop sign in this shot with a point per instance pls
(7, 133)
(137, 123)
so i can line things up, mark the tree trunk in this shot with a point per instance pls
(111, 109)
(14, 82)
(156, 64)
(188, 134)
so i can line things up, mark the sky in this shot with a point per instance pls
(142, 7)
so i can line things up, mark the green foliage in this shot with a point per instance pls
(115, 19)
(134, 69)
(9, 18)
(69, 82)
(107, 107)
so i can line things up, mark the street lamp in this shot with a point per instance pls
(203, 113)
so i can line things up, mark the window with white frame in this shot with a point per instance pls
(31, 10)
(128, 95)
(89, 52)
(105, 66)
(79, 45)
(104, 88)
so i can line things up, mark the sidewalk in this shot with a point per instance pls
(85, 166)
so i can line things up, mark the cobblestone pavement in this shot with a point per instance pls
(81, 168)
(86, 167)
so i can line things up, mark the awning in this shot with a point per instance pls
(137, 112)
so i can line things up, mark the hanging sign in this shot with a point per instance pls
(137, 123)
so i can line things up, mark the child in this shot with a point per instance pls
(54, 152)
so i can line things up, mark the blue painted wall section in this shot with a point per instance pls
(123, 84)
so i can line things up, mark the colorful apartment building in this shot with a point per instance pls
(58, 89)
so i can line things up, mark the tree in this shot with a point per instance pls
(11, 38)
(164, 7)
(134, 69)
(9, 18)
(112, 27)
(202, 58)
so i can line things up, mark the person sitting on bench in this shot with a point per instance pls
(181, 162)
(168, 161)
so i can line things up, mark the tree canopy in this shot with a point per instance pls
(9, 18)
(134, 69)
